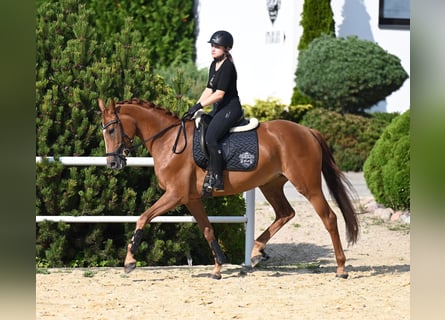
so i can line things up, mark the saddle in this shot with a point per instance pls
(239, 147)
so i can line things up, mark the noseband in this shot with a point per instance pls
(122, 151)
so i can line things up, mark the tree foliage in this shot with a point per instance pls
(75, 65)
(317, 18)
(166, 26)
(387, 169)
(348, 74)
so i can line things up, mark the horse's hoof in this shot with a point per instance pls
(264, 255)
(255, 260)
(342, 275)
(130, 267)
(215, 276)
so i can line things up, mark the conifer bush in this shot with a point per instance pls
(167, 28)
(317, 18)
(348, 74)
(76, 65)
(387, 169)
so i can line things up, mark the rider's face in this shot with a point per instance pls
(216, 50)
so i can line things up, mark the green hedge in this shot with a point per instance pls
(387, 169)
(75, 65)
(270, 109)
(350, 137)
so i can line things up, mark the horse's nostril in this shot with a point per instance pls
(112, 164)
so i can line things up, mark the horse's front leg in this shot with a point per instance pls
(165, 203)
(273, 192)
(197, 210)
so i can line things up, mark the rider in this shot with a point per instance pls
(221, 91)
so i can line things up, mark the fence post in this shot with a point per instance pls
(249, 225)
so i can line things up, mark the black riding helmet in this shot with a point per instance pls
(222, 38)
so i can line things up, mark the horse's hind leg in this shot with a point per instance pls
(274, 193)
(329, 219)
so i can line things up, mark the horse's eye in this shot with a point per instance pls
(111, 131)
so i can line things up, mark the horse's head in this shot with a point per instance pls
(118, 135)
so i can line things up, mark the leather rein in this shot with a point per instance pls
(123, 151)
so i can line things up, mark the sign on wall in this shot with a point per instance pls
(265, 35)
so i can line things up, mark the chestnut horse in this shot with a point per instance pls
(287, 152)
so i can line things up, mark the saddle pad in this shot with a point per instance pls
(240, 151)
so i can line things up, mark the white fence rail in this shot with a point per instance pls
(248, 218)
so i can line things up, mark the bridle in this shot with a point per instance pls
(123, 151)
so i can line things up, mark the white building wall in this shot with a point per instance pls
(265, 53)
(361, 18)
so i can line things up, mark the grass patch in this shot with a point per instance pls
(296, 225)
(314, 266)
(61, 270)
(376, 221)
(308, 265)
(89, 273)
(42, 271)
(404, 227)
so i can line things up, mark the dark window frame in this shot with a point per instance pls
(386, 22)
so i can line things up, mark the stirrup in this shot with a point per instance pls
(207, 186)
(218, 183)
(212, 183)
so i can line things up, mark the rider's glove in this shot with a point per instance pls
(194, 108)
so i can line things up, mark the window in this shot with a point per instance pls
(394, 14)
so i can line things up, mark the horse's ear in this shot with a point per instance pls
(112, 105)
(101, 105)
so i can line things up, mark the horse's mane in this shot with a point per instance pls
(148, 105)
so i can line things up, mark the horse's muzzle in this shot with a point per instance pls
(116, 162)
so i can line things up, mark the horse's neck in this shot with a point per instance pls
(150, 122)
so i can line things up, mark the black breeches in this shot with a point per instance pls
(221, 123)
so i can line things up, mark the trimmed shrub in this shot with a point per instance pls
(350, 137)
(347, 74)
(271, 109)
(387, 169)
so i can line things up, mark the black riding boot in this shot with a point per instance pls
(218, 162)
(214, 179)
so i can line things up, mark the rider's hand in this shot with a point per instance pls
(194, 108)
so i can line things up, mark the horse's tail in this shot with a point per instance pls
(336, 181)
